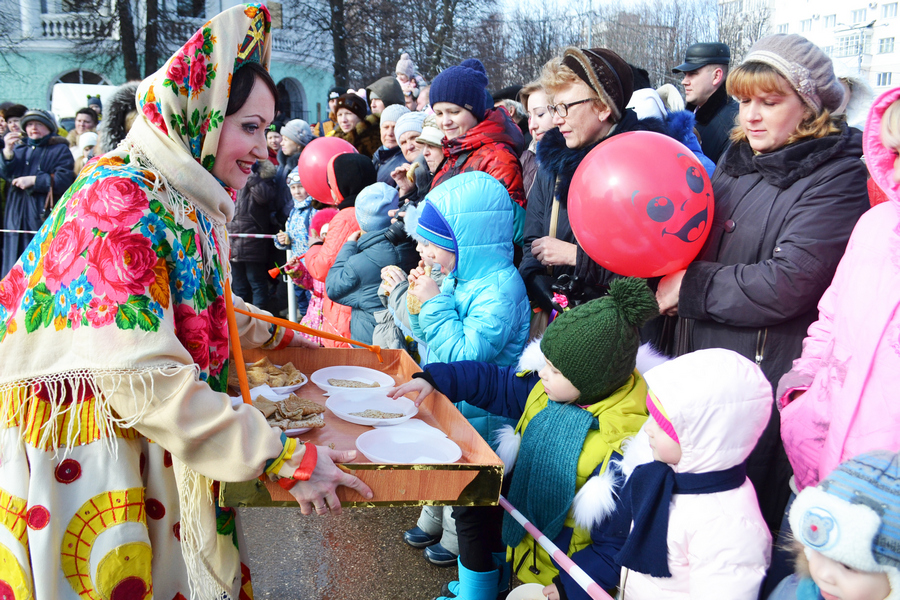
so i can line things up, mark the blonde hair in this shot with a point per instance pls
(555, 77)
(890, 126)
(754, 78)
(527, 90)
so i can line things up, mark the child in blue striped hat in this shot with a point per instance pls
(849, 525)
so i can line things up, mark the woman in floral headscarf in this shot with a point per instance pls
(113, 333)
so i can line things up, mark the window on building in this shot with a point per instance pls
(854, 44)
(883, 79)
(858, 16)
(885, 45)
(830, 21)
(806, 25)
(889, 10)
(74, 6)
(192, 8)
(829, 50)
(81, 76)
(782, 28)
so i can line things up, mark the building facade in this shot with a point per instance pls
(861, 37)
(45, 42)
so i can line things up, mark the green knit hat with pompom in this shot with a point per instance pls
(595, 345)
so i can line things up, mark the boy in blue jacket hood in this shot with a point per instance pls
(481, 310)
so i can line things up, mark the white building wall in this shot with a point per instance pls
(862, 37)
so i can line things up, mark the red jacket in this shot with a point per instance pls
(335, 317)
(492, 146)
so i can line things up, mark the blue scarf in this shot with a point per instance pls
(645, 500)
(543, 483)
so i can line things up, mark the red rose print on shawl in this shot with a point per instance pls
(218, 335)
(198, 75)
(178, 69)
(112, 202)
(121, 264)
(12, 287)
(63, 261)
(153, 115)
(192, 330)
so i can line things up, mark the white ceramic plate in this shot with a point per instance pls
(343, 405)
(527, 591)
(287, 389)
(296, 432)
(321, 377)
(402, 445)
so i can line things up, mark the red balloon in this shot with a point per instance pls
(640, 204)
(313, 163)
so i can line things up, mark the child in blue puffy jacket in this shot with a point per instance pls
(481, 310)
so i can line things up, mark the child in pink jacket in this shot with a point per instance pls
(839, 400)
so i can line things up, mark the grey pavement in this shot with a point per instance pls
(358, 555)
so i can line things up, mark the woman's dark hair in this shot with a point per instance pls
(242, 82)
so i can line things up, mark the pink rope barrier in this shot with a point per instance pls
(577, 573)
(258, 236)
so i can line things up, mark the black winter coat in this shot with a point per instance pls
(252, 214)
(715, 120)
(24, 207)
(556, 160)
(781, 224)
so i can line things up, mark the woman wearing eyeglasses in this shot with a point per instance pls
(478, 137)
(589, 89)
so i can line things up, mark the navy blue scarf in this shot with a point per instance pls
(645, 500)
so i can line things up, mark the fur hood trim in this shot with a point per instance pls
(648, 357)
(114, 126)
(57, 140)
(596, 499)
(411, 221)
(680, 124)
(637, 452)
(508, 442)
(532, 358)
(266, 169)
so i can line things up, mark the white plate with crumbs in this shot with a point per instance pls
(354, 380)
(371, 409)
(406, 446)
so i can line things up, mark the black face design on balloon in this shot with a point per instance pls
(694, 179)
(686, 218)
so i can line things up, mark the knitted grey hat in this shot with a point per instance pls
(410, 121)
(298, 131)
(393, 112)
(806, 67)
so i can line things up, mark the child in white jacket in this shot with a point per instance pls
(707, 411)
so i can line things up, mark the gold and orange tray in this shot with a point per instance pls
(473, 480)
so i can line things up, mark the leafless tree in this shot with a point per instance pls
(741, 23)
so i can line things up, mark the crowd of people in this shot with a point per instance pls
(725, 430)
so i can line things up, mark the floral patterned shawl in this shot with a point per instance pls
(123, 283)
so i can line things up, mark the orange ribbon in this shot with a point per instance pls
(230, 311)
(236, 346)
(311, 331)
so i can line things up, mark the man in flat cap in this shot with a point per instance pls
(705, 68)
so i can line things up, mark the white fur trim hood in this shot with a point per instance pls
(532, 358)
